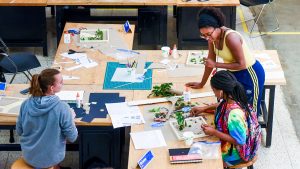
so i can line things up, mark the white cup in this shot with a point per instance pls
(188, 138)
(165, 51)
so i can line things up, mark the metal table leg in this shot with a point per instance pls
(268, 113)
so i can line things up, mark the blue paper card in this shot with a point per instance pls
(80, 112)
(2, 86)
(110, 70)
(99, 110)
(127, 27)
(145, 160)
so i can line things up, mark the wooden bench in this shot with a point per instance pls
(248, 164)
(21, 164)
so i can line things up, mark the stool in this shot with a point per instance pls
(21, 164)
(248, 164)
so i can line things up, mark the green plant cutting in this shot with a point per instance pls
(163, 90)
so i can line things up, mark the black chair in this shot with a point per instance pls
(265, 3)
(17, 62)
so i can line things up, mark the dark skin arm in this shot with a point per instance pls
(197, 110)
(207, 71)
(213, 132)
(234, 43)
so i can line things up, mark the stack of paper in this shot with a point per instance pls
(70, 96)
(81, 59)
(123, 115)
(148, 139)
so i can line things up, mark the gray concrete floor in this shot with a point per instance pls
(287, 43)
(283, 152)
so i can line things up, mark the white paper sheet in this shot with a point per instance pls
(74, 67)
(274, 75)
(269, 64)
(70, 95)
(262, 55)
(66, 77)
(123, 115)
(148, 139)
(74, 56)
(122, 75)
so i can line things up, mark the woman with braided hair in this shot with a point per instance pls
(236, 124)
(230, 46)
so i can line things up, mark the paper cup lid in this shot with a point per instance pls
(188, 134)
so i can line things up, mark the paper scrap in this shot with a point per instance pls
(165, 61)
(66, 95)
(274, 75)
(123, 115)
(74, 67)
(148, 139)
(185, 72)
(122, 75)
(269, 64)
(66, 77)
(74, 56)
(262, 56)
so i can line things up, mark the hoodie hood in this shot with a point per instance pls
(42, 105)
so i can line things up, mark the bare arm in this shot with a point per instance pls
(213, 132)
(197, 110)
(234, 43)
(207, 70)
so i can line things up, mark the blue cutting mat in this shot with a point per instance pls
(110, 70)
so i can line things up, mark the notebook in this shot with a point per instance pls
(183, 155)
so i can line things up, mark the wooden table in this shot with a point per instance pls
(23, 3)
(96, 74)
(95, 134)
(112, 2)
(270, 83)
(274, 77)
(151, 18)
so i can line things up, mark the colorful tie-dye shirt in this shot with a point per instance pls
(237, 129)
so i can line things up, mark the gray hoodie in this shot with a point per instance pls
(44, 124)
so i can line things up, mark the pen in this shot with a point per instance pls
(128, 51)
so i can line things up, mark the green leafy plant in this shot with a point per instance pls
(180, 120)
(181, 104)
(201, 60)
(99, 35)
(154, 110)
(163, 90)
(160, 113)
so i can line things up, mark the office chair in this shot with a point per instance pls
(17, 62)
(265, 3)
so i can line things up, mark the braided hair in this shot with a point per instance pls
(210, 17)
(226, 81)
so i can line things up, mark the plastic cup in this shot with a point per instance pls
(188, 138)
(165, 51)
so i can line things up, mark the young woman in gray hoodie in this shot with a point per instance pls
(45, 122)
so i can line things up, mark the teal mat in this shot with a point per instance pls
(110, 70)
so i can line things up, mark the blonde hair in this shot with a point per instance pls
(40, 82)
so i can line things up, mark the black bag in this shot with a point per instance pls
(2, 77)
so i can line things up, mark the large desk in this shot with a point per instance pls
(100, 139)
(151, 18)
(88, 75)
